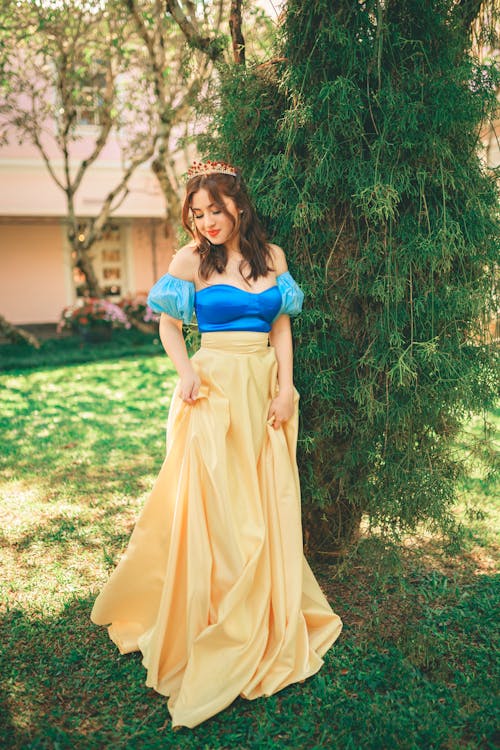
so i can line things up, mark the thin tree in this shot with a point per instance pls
(184, 42)
(64, 63)
(180, 73)
(177, 79)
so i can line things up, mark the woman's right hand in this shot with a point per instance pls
(189, 386)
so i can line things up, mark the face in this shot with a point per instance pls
(209, 220)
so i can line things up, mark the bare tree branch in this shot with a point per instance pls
(15, 334)
(191, 9)
(210, 46)
(36, 140)
(187, 26)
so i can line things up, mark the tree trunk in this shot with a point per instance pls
(81, 252)
(84, 263)
(329, 531)
(172, 203)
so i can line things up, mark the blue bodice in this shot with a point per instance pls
(224, 307)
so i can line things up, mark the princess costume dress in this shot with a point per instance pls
(214, 588)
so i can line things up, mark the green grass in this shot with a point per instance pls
(415, 666)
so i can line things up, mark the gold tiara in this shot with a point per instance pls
(208, 167)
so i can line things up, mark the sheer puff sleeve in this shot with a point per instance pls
(173, 296)
(292, 295)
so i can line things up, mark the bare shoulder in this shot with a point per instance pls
(185, 263)
(278, 258)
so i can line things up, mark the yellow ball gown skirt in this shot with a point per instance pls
(214, 588)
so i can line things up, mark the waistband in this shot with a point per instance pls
(242, 342)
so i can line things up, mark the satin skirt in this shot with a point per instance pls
(214, 588)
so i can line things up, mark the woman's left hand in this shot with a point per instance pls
(281, 408)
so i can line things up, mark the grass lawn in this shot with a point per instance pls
(70, 349)
(415, 666)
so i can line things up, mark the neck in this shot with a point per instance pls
(233, 246)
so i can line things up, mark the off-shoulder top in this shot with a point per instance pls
(224, 307)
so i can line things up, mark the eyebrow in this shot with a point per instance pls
(199, 209)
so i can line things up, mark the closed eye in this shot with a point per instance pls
(201, 215)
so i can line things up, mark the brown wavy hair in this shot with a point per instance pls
(253, 240)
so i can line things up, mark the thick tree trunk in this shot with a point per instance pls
(329, 531)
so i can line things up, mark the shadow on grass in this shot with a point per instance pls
(429, 683)
(44, 524)
(54, 352)
(434, 615)
(65, 685)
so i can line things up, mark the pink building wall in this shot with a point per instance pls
(26, 188)
(148, 240)
(36, 270)
(33, 287)
(36, 277)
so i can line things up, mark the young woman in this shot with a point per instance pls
(214, 588)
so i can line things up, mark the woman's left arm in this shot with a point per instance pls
(280, 337)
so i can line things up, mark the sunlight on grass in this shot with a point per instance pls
(477, 509)
(82, 446)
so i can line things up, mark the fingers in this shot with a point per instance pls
(189, 394)
(274, 420)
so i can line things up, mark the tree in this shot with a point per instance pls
(178, 73)
(360, 145)
(184, 42)
(64, 64)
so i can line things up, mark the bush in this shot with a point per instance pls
(92, 312)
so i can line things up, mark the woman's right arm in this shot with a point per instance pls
(182, 266)
(175, 346)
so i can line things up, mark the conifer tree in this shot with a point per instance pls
(360, 145)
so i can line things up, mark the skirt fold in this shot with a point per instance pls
(213, 588)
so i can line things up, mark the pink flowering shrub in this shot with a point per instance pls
(92, 312)
(136, 307)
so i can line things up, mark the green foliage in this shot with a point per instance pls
(361, 149)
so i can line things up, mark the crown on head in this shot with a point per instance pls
(208, 167)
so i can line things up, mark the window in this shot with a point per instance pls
(108, 261)
(89, 109)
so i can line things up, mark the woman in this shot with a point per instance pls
(214, 588)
